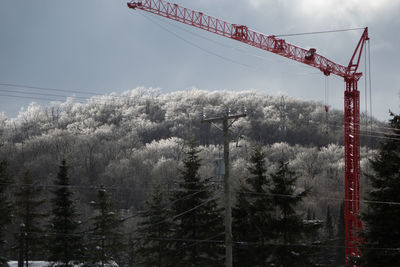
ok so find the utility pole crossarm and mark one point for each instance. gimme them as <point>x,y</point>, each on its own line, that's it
<point>242,34</point>
<point>228,117</point>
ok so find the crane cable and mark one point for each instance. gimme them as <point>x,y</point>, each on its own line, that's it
<point>326,104</point>
<point>370,84</point>
<point>319,32</point>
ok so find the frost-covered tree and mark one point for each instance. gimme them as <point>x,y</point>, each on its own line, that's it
<point>65,242</point>
<point>382,220</point>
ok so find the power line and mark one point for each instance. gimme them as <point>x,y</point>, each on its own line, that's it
<point>42,94</point>
<point>91,95</point>
<point>169,203</point>
<point>199,191</point>
<point>47,88</point>
<point>31,97</point>
<point>212,240</point>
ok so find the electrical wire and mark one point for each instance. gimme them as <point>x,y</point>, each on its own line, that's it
<point>91,96</point>
<point>30,97</point>
<point>169,203</point>
<point>211,240</point>
<point>366,201</point>
<point>112,188</point>
<point>47,88</point>
<point>41,94</point>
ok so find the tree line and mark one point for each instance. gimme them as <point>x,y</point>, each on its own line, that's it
<point>136,140</point>
<point>179,227</point>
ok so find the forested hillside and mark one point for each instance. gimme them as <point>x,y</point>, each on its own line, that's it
<point>130,143</point>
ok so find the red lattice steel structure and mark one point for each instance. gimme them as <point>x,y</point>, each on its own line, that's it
<point>279,46</point>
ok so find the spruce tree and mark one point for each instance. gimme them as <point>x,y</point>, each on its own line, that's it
<point>154,231</point>
<point>340,250</point>
<point>383,219</point>
<point>5,209</point>
<point>29,217</point>
<point>288,224</point>
<point>328,254</point>
<point>105,239</point>
<point>329,224</point>
<point>252,215</point>
<point>243,237</point>
<point>65,242</point>
<point>196,216</point>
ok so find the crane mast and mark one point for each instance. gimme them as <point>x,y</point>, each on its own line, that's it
<point>279,46</point>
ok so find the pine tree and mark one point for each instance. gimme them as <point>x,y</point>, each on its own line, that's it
<point>153,231</point>
<point>29,215</point>
<point>243,250</point>
<point>252,215</point>
<point>130,252</point>
<point>5,209</point>
<point>289,226</point>
<point>329,224</point>
<point>340,250</point>
<point>65,243</point>
<point>383,220</point>
<point>197,217</point>
<point>105,238</point>
<point>328,254</point>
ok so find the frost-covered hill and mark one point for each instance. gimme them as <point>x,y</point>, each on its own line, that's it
<point>132,141</point>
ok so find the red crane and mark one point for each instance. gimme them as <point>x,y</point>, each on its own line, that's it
<point>279,46</point>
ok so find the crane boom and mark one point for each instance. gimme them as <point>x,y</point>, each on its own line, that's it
<point>240,33</point>
<point>278,46</point>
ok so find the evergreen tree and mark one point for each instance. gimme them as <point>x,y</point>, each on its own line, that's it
<point>252,215</point>
<point>383,220</point>
<point>65,243</point>
<point>29,215</point>
<point>288,225</point>
<point>328,255</point>
<point>105,238</point>
<point>196,216</point>
<point>130,252</point>
<point>153,231</point>
<point>5,209</point>
<point>329,224</point>
<point>340,250</point>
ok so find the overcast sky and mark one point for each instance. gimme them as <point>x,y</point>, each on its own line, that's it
<point>102,46</point>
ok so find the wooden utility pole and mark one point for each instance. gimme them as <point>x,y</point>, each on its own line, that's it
<point>227,184</point>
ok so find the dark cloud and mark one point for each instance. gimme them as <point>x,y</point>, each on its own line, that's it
<point>103,46</point>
